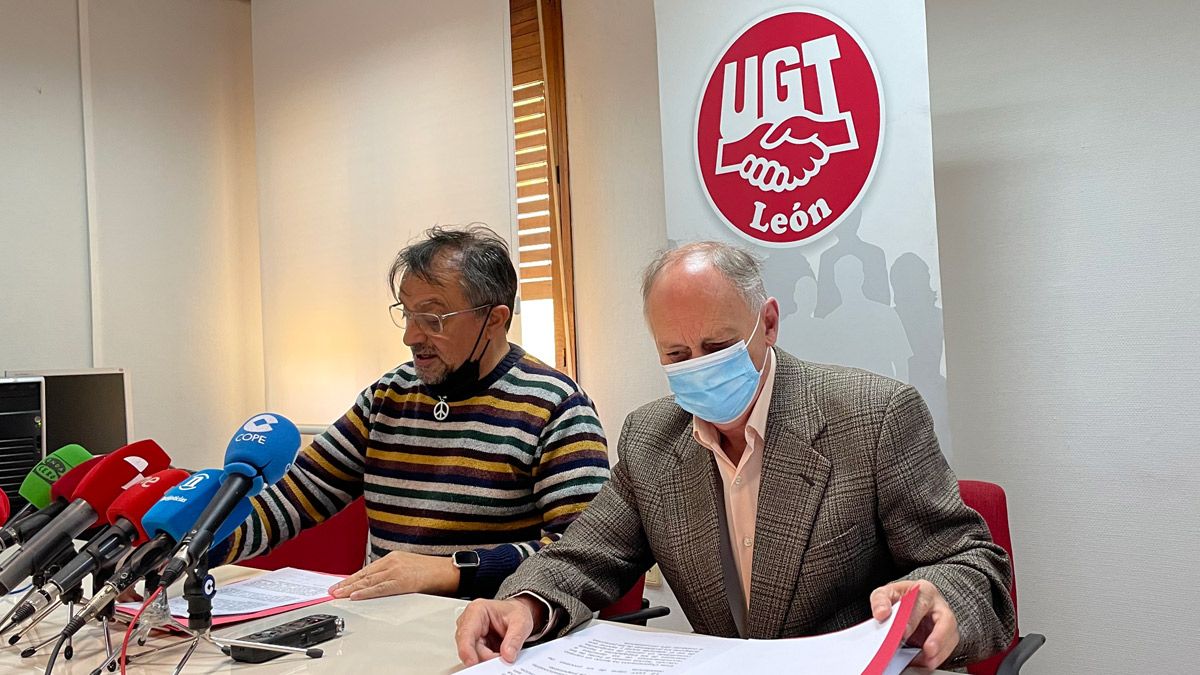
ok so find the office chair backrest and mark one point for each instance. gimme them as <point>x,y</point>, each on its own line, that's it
<point>991,503</point>
<point>630,602</point>
<point>336,546</point>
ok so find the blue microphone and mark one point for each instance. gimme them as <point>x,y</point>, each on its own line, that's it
<point>258,455</point>
<point>180,508</point>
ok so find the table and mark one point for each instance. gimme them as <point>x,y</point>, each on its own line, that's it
<point>400,634</point>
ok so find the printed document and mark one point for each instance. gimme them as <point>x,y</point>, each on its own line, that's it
<point>869,648</point>
<point>281,588</point>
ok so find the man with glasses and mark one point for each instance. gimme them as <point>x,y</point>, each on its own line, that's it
<point>470,457</point>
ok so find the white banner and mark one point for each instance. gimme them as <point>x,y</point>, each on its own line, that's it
<point>803,133</point>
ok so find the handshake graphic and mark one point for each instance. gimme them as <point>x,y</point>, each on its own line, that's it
<point>787,154</point>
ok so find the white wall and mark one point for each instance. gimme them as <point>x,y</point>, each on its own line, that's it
<point>175,223</point>
<point>375,120</point>
<point>45,305</point>
<point>1066,174</point>
<point>173,287</point>
<point>616,198</point>
<point>617,209</point>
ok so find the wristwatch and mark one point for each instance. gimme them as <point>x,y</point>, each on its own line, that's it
<point>467,563</point>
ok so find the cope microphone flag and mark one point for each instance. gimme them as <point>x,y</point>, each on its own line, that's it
<point>259,453</point>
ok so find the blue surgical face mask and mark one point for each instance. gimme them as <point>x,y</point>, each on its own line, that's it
<point>716,387</point>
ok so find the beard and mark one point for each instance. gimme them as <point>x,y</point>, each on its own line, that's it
<point>433,372</point>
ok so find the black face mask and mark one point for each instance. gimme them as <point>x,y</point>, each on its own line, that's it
<point>464,379</point>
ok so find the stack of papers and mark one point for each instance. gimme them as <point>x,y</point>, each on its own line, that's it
<point>267,595</point>
<point>870,648</point>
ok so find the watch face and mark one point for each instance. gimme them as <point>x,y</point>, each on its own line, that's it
<point>466,559</point>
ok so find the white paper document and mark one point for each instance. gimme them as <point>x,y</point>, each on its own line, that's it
<point>869,648</point>
<point>287,586</point>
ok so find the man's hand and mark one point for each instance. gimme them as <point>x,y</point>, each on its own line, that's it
<point>400,572</point>
<point>490,628</point>
<point>932,625</point>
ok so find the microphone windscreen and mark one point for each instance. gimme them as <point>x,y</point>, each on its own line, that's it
<point>36,486</point>
<point>119,470</point>
<point>64,487</point>
<point>264,447</point>
<point>181,506</point>
<point>4,507</point>
<point>133,503</point>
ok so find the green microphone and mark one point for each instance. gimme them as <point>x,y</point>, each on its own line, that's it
<point>36,486</point>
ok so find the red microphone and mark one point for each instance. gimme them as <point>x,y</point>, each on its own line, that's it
<point>112,475</point>
<point>64,487</point>
<point>4,507</point>
<point>124,532</point>
<point>136,501</point>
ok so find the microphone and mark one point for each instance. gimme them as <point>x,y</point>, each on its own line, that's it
<point>259,453</point>
<point>124,532</point>
<point>35,489</point>
<point>36,486</point>
<point>114,473</point>
<point>21,529</point>
<point>167,522</point>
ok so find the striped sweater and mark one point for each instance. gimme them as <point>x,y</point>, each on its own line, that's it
<point>504,473</point>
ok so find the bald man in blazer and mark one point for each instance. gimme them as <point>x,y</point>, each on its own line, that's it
<point>850,502</point>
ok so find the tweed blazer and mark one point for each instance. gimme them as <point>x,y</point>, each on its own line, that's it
<point>855,493</point>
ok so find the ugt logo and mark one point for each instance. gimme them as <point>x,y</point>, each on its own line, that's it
<point>789,127</point>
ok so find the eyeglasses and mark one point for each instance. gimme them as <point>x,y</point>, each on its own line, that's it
<point>426,321</point>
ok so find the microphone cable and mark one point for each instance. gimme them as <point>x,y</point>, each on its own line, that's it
<point>133,623</point>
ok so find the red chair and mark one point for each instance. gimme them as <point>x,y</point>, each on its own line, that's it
<point>336,546</point>
<point>991,503</point>
<point>632,607</point>
<point>339,546</point>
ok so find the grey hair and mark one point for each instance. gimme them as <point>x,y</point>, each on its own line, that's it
<point>486,272</point>
<point>742,268</point>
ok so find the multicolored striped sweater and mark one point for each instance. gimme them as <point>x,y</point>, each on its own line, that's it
<point>504,473</point>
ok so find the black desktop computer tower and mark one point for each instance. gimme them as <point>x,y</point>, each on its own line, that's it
<point>22,434</point>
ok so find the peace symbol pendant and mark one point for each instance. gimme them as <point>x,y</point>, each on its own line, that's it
<point>441,411</point>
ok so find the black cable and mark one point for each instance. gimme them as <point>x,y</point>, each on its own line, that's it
<point>54,654</point>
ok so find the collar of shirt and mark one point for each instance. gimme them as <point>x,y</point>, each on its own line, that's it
<point>706,433</point>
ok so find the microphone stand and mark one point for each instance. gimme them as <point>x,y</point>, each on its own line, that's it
<point>198,589</point>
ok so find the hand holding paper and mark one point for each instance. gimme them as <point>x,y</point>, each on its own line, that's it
<point>932,625</point>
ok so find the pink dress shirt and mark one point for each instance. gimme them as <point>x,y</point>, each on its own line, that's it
<point>741,481</point>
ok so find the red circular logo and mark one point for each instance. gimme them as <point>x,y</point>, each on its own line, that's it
<point>789,127</point>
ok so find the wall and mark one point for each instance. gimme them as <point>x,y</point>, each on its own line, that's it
<point>45,305</point>
<point>169,289</point>
<point>1066,182</point>
<point>617,209</point>
<point>375,120</point>
<point>174,228</point>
